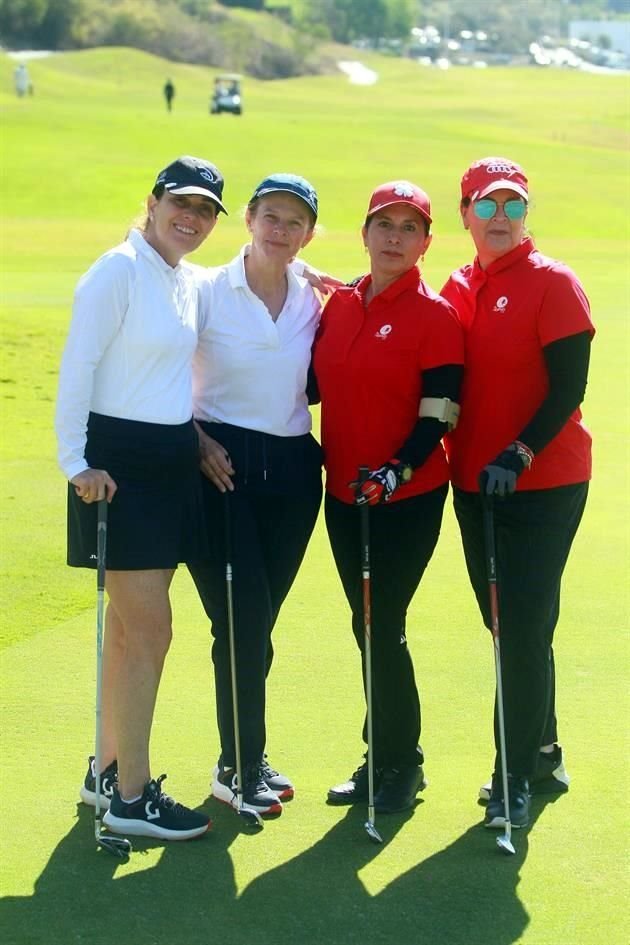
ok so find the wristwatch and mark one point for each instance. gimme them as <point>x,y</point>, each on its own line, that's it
<point>405,472</point>
<point>523,452</point>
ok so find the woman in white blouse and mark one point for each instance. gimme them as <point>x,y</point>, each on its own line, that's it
<point>257,324</point>
<point>125,433</point>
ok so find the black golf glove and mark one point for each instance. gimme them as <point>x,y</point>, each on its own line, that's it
<point>499,477</point>
<point>380,484</point>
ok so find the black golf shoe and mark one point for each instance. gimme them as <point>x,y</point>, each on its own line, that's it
<point>155,814</point>
<point>518,802</point>
<point>398,788</point>
<point>109,780</point>
<point>355,789</point>
<point>550,776</point>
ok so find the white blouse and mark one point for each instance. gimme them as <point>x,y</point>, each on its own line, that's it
<point>129,348</point>
<point>249,370</point>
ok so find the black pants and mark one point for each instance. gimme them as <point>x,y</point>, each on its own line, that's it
<point>403,536</point>
<point>534,533</point>
<point>272,519</point>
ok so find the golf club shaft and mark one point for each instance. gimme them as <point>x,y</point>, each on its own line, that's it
<point>367,630</point>
<point>491,566</point>
<point>101,552</point>
<point>232,644</point>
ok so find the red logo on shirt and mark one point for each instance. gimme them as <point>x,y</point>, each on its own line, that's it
<point>383,332</point>
<point>501,304</point>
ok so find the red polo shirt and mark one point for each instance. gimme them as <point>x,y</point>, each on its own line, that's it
<point>368,361</point>
<point>509,312</point>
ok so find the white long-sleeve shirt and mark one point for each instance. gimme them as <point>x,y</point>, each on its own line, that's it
<point>129,348</point>
<point>249,370</point>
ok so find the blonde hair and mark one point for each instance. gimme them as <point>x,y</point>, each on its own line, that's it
<point>140,221</point>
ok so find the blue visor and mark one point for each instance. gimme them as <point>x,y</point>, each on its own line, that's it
<point>290,184</point>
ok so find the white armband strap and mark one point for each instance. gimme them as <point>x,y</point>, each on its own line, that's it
<point>440,408</point>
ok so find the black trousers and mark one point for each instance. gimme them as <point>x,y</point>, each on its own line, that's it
<point>272,519</point>
<point>534,533</point>
<point>403,536</point>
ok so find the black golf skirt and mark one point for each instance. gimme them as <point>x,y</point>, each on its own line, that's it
<point>155,520</point>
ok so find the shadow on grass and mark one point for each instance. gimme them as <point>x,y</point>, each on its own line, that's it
<point>464,895</point>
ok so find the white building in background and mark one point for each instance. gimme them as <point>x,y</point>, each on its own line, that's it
<point>617,31</point>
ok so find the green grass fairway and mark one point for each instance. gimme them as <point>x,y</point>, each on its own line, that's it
<point>78,158</point>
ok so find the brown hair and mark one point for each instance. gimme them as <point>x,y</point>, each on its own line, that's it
<point>427,225</point>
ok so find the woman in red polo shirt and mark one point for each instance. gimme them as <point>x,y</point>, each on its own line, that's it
<point>520,438</point>
<point>388,363</point>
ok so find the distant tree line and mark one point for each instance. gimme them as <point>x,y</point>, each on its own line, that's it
<point>217,34</point>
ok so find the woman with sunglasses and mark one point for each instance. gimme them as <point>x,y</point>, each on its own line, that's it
<point>521,444</point>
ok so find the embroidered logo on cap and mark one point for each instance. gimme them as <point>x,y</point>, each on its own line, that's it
<point>403,190</point>
<point>506,169</point>
<point>501,304</point>
<point>207,175</point>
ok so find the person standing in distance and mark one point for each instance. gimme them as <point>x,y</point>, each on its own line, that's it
<point>125,433</point>
<point>388,363</point>
<point>522,442</point>
<point>169,94</point>
<point>257,324</point>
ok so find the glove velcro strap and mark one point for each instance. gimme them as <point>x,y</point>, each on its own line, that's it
<point>440,408</point>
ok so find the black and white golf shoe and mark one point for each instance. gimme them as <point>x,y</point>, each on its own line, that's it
<point>257,796</point>
<point>550,776</point>
<point>518,801</point>
<point>109,780</point>
<point>155,814</point>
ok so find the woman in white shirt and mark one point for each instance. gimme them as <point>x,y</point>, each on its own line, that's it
<point>257,324</point>
<point>125,433</point>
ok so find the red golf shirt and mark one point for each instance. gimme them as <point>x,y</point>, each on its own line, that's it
<point>509,312</point>
<point>368,361</point>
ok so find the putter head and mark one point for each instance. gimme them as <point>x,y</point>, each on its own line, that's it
<point>251,818</point>
<point>118,846</point>
<point>372,832</point>
<point>505,845</point>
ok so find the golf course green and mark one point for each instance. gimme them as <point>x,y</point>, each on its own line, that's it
<point>78,158</point>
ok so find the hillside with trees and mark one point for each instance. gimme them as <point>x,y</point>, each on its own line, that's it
<point>281,38</point>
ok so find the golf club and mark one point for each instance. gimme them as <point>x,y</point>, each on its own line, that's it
<point>370,825</point>
<point>119,846</point>
<point>504,842</point>
<point>253,819</point>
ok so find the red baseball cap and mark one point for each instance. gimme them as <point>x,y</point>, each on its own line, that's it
<point>494,173</point>
<point>400,191</point>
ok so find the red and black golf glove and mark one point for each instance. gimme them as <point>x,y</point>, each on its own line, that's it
<point>380,484</point>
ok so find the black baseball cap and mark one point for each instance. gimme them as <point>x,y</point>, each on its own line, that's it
<point>191,175</point>
<point>290,184</point>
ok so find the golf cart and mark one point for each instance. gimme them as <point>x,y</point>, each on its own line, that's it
<point>227,95</point>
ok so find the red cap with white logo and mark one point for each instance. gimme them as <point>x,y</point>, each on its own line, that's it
<point>400,191</point>
<point>494,173</point>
